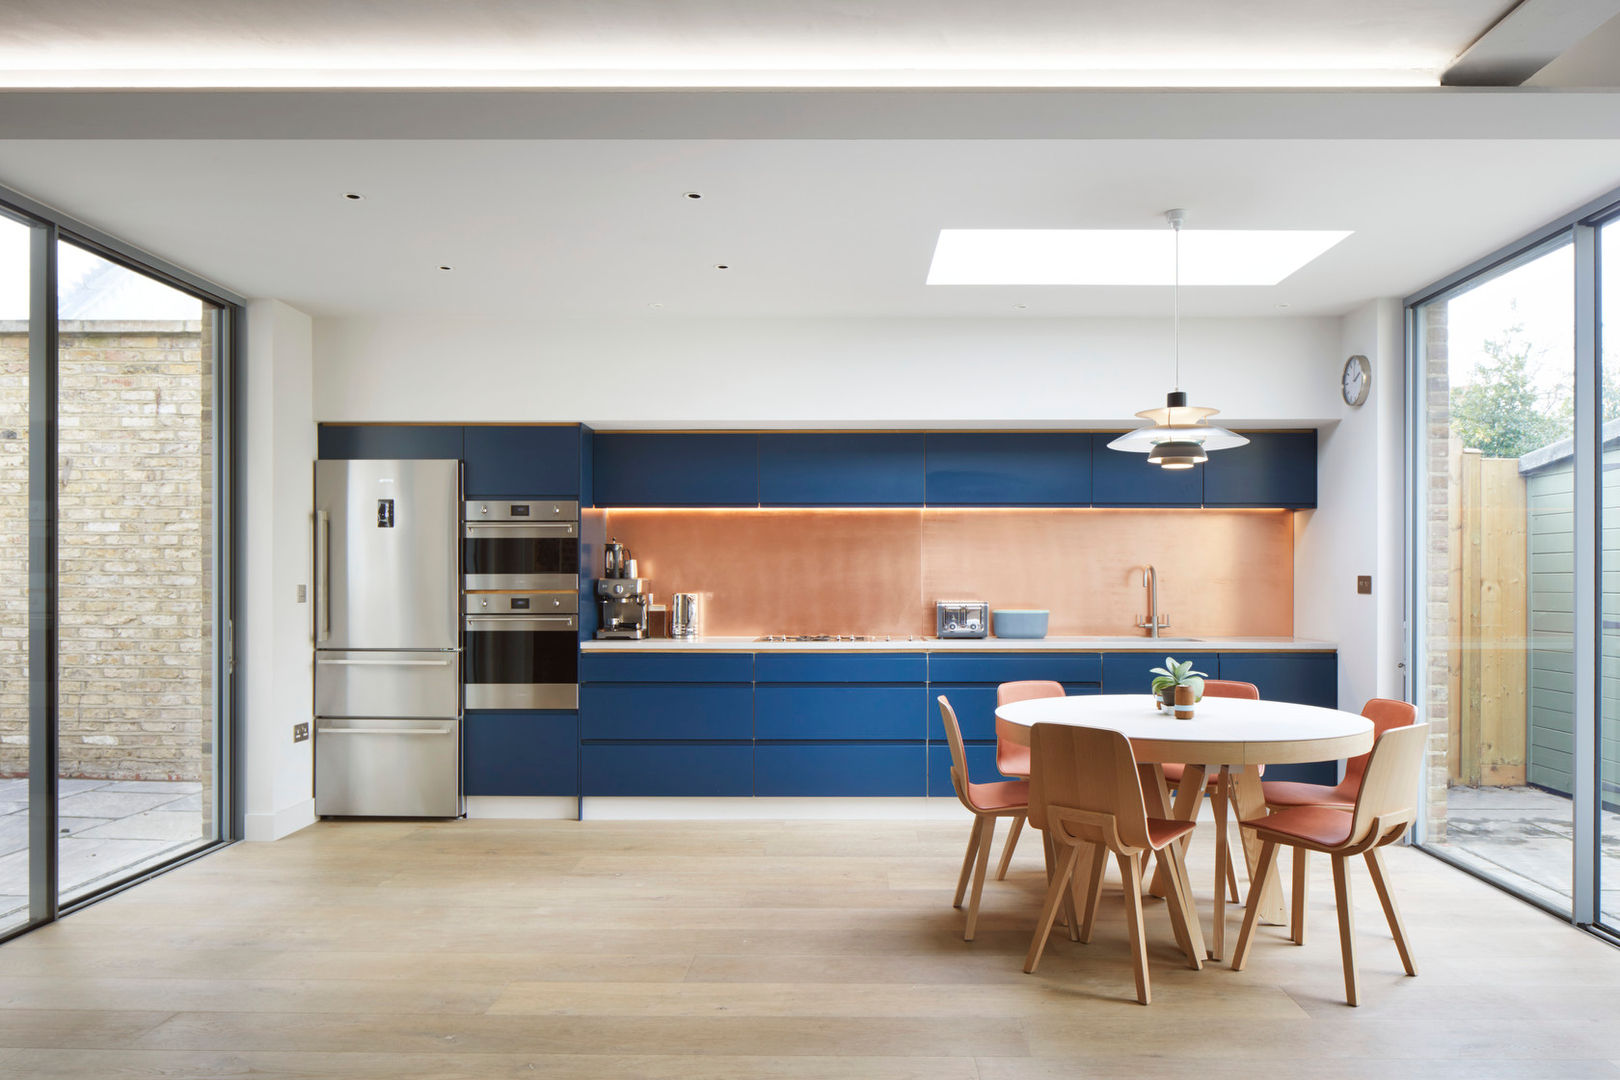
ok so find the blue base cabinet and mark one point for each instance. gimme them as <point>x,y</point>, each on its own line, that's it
<point>1302,678</point>
<point>840,768</point>
<point>674,768</point>
<point>521,753</point>
<point>981,759</point>
<point>1132,673</point>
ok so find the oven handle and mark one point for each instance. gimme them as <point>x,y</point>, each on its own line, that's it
<point>521,530</point>
<point>522,622</point>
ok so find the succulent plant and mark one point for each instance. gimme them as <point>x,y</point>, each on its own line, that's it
<point>1178,674</point>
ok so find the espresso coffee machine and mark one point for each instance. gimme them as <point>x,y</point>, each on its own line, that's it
<point>622,595</point>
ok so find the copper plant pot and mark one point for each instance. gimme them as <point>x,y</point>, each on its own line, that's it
<point>1184,703</point>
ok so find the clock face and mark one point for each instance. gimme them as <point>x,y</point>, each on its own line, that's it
<point>1357,379</point>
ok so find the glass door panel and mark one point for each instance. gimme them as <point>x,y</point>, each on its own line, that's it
<point>1496,549</point>
<point>1608,868</point>
<point>14,715</point>
<point>137,727</point>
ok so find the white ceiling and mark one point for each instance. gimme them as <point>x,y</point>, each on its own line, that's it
<point>817,228</point>
<point>736,42</point>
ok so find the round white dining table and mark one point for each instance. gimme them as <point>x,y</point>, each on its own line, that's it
<point>1231,737</point>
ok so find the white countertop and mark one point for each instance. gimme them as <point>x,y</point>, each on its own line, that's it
<point>1165,645</point>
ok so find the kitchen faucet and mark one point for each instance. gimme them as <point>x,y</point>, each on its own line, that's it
<point>1154,621</point>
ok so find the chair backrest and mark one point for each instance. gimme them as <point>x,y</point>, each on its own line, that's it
<point>1090,769</point>
<point>1385,714</point>
<point>1231,688</point>
<point>1389,787</point>
<point>1027,690</point>
<point>953,735</point>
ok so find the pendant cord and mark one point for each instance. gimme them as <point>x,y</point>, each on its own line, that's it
<point>1176,303</point>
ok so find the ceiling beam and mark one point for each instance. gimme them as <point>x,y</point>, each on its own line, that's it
<point>1527,39</point>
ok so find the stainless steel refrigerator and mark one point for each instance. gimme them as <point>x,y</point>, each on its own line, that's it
<point>387,638</point>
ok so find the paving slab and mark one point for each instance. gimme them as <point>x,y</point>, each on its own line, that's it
<point>110,804</point>
<point>152,825</point>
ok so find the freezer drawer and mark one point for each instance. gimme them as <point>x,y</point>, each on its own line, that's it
<point>388,767</point>
<point>378,683</point>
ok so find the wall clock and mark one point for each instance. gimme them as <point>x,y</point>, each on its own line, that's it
<point>1356,380</point>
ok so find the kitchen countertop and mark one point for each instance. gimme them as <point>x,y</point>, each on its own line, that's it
<point>1169,645</point>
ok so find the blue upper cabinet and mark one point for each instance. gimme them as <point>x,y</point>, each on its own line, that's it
<point>1125,479</point>
<point>356,441</point>
<point>1008,470</point>
<point>840,470</point>
<point>1277,468</point>
<point>675,470</point>
<point>522,462</point>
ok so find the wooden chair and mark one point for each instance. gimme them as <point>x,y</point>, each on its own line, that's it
<point>1282,794</point>
<point>1173,771</point>
<point>1007,798</point>
<point>1385,807</point>
<point>1012,758</point>
<point>1086,793</point>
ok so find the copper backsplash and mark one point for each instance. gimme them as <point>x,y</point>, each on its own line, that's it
<point>1221,572</point>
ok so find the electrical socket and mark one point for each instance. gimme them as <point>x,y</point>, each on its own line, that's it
<point>1364,584</point>
<point>300,732</point>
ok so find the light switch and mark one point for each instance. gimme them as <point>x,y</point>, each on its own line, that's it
<point>1364,584</point>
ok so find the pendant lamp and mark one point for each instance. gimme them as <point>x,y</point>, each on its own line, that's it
<point>1177,436</point>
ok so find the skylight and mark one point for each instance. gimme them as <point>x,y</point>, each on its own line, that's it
<point>1123,256</point>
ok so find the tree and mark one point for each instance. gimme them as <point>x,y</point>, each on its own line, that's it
<point>1503,412</point>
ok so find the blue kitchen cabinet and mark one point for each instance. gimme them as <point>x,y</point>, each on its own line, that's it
<point>840,470</point>
<point>975,707</point>
<point>835,768</point>
<point>669,769</point>
<point>969,681</point>
<point>1132,673</point>
<point>1302,678</point>
<point>675,470</point>
<point>855,713</point>
<point>1276,468</point>
<point>1008,470</point>
<point>665,711</point>
<point>780,667</point>
<point>638,667</point>
<point>373,441</point>
<point>1126,479</point>
<point>981,760</point>
<point>522,462</point>
<point>521,753</point>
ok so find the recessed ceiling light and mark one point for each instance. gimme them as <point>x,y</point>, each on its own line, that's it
<point>693,194</point>
<point>353,195</point>
<point>655,306</point>
<point>446,268</point>
<point>722,266</point>
<point>1020,307</point>
<point>1123,256</point>
<point>1281,306</point>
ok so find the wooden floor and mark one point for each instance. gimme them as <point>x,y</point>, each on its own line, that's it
<point>743,950</point>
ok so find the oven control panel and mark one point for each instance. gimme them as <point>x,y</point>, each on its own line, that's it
<point>522,603</point>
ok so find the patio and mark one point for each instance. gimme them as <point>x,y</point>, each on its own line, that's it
<point>108,828</point>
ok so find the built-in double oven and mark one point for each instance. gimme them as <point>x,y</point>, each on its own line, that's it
<point>520,565</point>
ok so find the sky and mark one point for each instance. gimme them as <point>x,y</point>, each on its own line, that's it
<point>118,293</point>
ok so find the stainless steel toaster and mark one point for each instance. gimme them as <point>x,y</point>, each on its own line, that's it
<point>961,618</point>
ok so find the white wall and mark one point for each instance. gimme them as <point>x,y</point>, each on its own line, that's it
<point>1358,525</point>
<point>656,372</point>
<point>278,443</point>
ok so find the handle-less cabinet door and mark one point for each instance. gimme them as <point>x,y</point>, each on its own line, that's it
<point>369,683</point>
<point>384,767</point>
<point>387,538</point>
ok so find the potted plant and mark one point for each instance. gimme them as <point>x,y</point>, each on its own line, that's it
<point>1173,676</point>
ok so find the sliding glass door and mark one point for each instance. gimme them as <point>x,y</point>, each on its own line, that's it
<point>1608,751</point>
<point>115,673</point>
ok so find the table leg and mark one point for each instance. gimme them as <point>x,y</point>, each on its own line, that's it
<point>1249,802</point>
<point>1156,797</point>
<point>1217,937</point>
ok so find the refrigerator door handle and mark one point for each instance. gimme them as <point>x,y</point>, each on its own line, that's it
<point>387,731</point>
<point>323,575</point>
<point>386,663</point>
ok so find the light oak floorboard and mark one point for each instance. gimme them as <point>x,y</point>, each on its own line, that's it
<point>732,950</point>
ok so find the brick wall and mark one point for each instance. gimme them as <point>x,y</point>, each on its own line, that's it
<point>136,552</point>
<point>1438,655</point>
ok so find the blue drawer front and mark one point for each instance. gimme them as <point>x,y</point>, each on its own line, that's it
<point>522,462</point>
<point>975,707</point>
<point>666,769</point>
<point>1132,673</point>
<point>840,712</point>
<point>840,769</point>
<point>1124,479</point>
<point>840,470</point>
<point>595,667</point>
<point>675,470</point>
<point>668,711</point>
<point>844,668</point>
<point>981,760</point>
<point>1303,678</point>
<point>1276,468</point>
<point>1008,470</point>
<point>1013,667</point>
<point>357,441</point>
<point>521,753</point>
